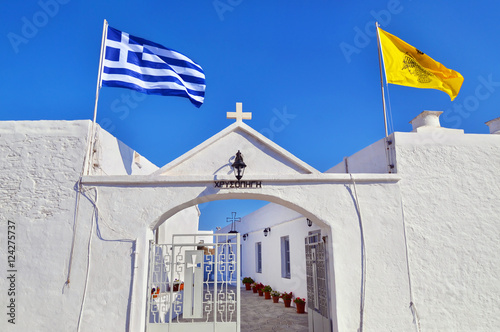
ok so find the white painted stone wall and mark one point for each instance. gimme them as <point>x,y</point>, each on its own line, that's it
<point>283,222</point>
<point>372,159</point>
<point>448,195</point>
<point>42,162</point>
<point>327,199</point>
<point>451,195</point>
<point>450,190</point>
<point>113,157</point>
<point>183,222</point>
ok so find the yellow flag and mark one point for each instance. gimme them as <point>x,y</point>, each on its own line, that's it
<point>406,65</point>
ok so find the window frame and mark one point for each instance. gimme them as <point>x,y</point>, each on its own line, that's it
<point>286,271</point>
<point>258,257</point>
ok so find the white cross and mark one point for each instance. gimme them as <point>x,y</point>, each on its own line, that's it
<point>194,264</point>
<point>239,115</point>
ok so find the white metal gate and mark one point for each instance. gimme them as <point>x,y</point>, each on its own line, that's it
<point>194,285</point>
<point>317,284</point>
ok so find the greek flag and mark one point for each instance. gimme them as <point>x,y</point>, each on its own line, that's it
<point>139,64</point>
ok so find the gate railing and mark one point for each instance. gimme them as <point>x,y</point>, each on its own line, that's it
<point>194,283</point>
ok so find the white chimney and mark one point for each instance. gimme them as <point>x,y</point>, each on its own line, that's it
<point>494,126</point>
<point>429,119</point>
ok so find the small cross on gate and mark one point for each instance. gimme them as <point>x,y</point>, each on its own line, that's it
<point>239,115</point>
<point>232,220</point>
<point>194,263</point>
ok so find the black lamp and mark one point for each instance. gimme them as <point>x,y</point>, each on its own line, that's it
<point>239,166</point>
<point>309,222</point>
<point>245,237</point>
<point>267,230</point>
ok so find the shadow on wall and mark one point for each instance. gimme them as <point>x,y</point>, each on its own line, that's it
<point>127,156</point>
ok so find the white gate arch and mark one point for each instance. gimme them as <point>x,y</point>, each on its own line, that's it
<point>325,198</point>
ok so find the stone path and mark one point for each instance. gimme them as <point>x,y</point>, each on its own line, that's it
<point>262,315</point>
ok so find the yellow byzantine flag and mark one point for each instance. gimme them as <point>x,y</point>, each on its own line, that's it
<point>406,65</point>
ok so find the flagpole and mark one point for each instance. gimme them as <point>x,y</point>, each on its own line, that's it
<point>98,88</point>
<point>387,142</point>
<point>381,78</point>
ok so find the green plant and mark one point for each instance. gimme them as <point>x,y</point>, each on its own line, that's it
<point>267,288</point>
<point>248,280</point>
<point>299,300</point>
<point>286,296</point>
<point>275,293</point>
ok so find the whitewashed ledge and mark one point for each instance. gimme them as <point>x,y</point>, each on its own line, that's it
<point>147,180</point>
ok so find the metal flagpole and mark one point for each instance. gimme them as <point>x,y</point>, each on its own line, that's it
<point>390,166</point>
<point>381,77</point>
<point>92,133</point>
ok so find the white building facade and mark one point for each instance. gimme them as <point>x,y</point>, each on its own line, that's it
<point>412,250</point>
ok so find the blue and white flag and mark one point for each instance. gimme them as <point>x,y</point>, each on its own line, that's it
<point>139,64</point>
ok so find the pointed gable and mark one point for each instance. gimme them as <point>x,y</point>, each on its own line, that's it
<point>215,156</point>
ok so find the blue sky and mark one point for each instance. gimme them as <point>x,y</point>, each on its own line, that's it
<point>307,70</point>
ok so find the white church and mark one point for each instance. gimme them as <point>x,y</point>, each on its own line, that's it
<point>401,236</point>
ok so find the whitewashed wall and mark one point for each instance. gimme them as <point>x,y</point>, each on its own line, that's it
<point>450,191</point>
<point>183,222</point>
<point>448,196</point>
<point>371,159</point>
<point>41,163</point>
<point>327,199</point>
<point>283,222</point>
<point>451,195</point>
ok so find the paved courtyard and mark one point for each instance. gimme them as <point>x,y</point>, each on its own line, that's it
<point>262,315</point>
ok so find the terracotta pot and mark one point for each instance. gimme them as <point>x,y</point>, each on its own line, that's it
<point>267,295</point>
<point>248,286</point>
<point>287,302</point>
<point>276,299</point>
<point>261,293</point>
<point>254,289</point>
<point>301,307</point>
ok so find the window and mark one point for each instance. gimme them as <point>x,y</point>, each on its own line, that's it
<point>285,257</point>
<point>314,237</point>
<point>258,257</point>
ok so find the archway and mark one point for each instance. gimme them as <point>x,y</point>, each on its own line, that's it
<point>204,174</point>
<point>290,227</point>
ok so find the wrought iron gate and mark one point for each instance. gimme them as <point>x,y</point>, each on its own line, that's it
<point>194,285</point>
<point>317,284</point>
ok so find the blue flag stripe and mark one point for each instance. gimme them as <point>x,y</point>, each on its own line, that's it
<point>161,92</point>
<point>148,73</point>
<point>151,78</point>
<point>154,78</point>
<point>149,67</point>
<point>134,57</point>
<point>175,62</point>
<point>155,85</point>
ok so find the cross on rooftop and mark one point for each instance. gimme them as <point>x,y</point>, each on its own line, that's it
<point>232,220</point>
<point>239,115</point>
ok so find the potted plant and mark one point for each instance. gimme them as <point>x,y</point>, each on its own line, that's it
<point>248,282</point>
<point>287,298</point>
<point>260,289</point>
<point>267,292</point>
<point>155,291</point>
<point>300,304</point>
<point>254,287</point>
<point>177,284</point>
<point>276,296</point>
